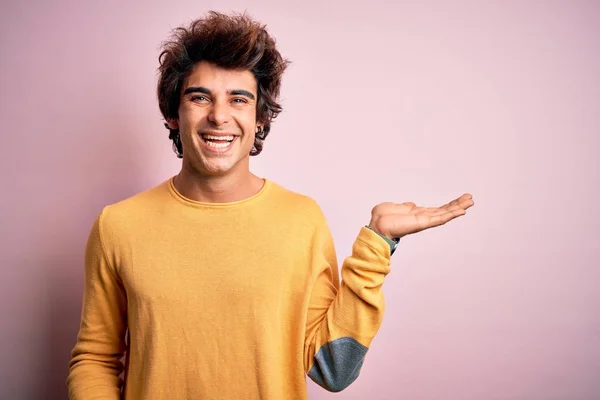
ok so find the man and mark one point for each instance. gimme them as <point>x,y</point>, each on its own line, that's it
<point>218,284</point>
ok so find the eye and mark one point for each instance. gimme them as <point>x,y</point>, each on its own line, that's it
<point>239,100</point>
<point>198,98</point>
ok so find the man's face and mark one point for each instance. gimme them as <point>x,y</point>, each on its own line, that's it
<point>217,119</point>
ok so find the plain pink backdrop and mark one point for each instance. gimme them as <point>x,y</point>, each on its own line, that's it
<point>383,102</point>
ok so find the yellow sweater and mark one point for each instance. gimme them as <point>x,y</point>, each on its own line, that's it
<point>223,301</point>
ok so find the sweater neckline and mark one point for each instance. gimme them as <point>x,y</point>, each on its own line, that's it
<point>202,204</point>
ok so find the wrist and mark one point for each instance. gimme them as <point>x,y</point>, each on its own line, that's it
<point>392,242</point>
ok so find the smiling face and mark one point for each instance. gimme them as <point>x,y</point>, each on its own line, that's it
<point>217,119</point>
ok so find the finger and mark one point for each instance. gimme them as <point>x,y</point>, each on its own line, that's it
<point>452,203</point>
<point>414,209</point>
<point>432,211</point>
<point>441,219</point>
<point>465,201</point>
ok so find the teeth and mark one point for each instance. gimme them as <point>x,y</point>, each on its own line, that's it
<point>218,145</point>
<point>210,137</point>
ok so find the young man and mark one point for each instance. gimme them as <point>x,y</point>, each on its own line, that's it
<point>219,284</point>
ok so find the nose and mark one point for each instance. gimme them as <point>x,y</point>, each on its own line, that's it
<point>219,113</point>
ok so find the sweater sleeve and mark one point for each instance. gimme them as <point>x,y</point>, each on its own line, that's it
<point>343,318</point>
<point>95,365</point>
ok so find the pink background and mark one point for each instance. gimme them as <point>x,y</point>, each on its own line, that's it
<point>384,102</point>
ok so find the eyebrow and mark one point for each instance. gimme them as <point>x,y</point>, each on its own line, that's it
<point>234,92</point>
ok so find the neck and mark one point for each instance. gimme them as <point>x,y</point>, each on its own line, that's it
<point>217,188</point>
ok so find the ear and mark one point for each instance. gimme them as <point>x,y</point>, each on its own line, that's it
<point>173,123</point>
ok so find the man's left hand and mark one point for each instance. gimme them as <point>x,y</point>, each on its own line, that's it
<point>396,220</point>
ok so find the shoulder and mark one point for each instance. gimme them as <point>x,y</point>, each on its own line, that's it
<point>119,217</point>
<point>296,203</point>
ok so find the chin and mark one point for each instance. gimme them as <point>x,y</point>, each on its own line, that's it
<point>212,167</point>
<point>216,166</point>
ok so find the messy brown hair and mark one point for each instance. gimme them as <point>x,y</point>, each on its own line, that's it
<point>231,42</point>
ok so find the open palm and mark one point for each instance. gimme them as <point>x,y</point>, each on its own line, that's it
<point>396,220</point>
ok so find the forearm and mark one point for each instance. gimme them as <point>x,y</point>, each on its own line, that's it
<point>95,365</point>
<point>339,339</point>
<point>94,376</point>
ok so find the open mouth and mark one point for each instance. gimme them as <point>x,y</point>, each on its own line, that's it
<point>218,142</point>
